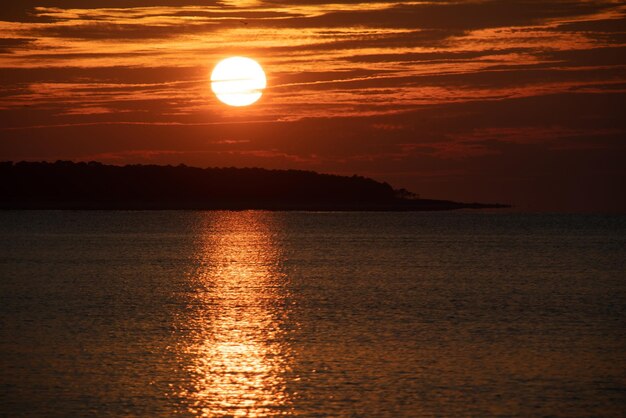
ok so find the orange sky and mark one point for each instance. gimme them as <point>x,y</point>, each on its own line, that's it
<point>514,101</point>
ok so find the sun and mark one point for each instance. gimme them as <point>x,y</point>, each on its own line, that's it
<point>238,81</point>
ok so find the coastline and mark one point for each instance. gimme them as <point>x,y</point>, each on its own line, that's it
<point>403,206</point>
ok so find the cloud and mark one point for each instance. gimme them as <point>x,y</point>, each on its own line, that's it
<point>451,15</point>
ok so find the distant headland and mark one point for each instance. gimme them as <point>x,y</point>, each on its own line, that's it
<point>92,185</point>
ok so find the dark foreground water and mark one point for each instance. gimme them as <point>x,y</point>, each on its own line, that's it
<point>313,314</point>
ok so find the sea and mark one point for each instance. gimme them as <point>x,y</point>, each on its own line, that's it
<point>313,314</point>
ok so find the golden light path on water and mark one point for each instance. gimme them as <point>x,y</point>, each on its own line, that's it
<point>238,358</point>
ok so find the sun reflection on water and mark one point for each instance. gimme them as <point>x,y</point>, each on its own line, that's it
<point>237,355</point>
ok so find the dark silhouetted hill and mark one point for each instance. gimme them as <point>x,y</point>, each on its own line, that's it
<point>69,185</point>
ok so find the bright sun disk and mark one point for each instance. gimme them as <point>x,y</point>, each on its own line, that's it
<point>238,81</point>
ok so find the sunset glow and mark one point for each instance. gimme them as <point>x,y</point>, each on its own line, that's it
<point>315,208</point>
<point>442,98</point>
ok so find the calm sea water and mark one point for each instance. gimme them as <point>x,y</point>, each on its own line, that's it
<point>312,314</point>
